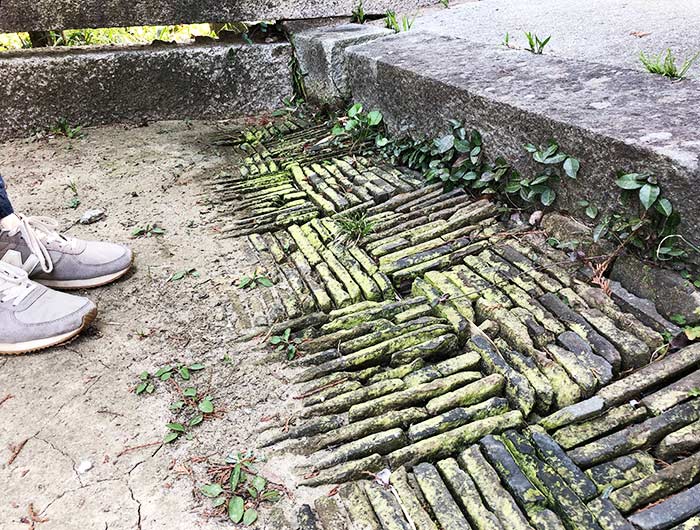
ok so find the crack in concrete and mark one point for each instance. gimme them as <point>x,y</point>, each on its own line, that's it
<point>66,455</point>
<point>138,503</point>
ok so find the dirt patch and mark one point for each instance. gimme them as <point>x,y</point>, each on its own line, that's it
<point>75,406</point>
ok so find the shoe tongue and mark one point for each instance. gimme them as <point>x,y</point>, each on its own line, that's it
<point>10,222</point>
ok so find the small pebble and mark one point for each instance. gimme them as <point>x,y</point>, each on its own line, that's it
<point>92,216</point>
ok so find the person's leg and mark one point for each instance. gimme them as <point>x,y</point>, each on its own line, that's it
<point>5,204</point>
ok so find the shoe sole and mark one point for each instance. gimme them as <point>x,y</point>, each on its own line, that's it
<point>43,344</point>
<point>89,283</point>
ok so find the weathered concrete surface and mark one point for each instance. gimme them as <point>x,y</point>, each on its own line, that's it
<point>28,15</point>
<point>138,84</point>
<point>611,118</point>
<point>597,31</point>
<point>322,58</point>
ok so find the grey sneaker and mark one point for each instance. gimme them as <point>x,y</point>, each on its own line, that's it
<point>33,317</point>
<point>59,261</point>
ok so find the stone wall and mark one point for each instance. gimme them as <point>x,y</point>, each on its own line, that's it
<point>137,84</point>
<point>37,15</point>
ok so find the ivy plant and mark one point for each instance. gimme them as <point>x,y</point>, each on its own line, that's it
<point>653,222</point>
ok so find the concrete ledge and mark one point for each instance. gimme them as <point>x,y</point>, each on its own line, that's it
<point>322,58</point>
<point>609,117</point>
<point>99,86</point>
<point>37,15</point>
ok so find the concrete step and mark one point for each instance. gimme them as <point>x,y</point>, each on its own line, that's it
<point>41,15</point>
<point>610,117</point>
<point>91,86</point>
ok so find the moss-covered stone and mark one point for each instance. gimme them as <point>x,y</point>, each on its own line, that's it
<point>382,442</point>
<point>410,502</point>
<point>623,470</point>
<point>449,442</point>
<point>356,430</point>
<point>636,436</point>
<point>524,492</point>
<point>446,510</point>
<point>411,396</point>
<point>470,394</point>
<point>616,418</point>
<point>345,472</point>
<point>661,484</point>
<point>456,418</point>
<point>358,506</point>
<point>386,508</point>
<point>489,485</point>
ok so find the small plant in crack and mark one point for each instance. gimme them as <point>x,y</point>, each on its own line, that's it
<point>536,45</point>
<point>147,230</point>
<point>665,64</point>
<point>360,127</point>
<point>391,21</point>
<point>353,227</point>
<point>358,14</point>
<point>286,344</point>
<point>63,128</point>
<point>74,200</point>
<point>237,489</point>
<point>184,273</point>
<point>192,407</point>
<point>254,281</point>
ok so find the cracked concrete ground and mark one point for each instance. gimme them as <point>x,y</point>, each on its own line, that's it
<point>81,465</point>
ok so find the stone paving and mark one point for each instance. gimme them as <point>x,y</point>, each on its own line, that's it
<point>455,357</point>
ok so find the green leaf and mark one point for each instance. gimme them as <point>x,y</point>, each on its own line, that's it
<point>259,483</point>
<point>176,427</point>
<point>150,388</point>
<point>664,207</point>
<point>265,282</point>
<point>530,148</point>
<point>462,146</point>
<point>190,391</point>
<point>211,490</point>
<point>600,231</point>
<point>219,501</point>
<point>235,477</point>
<point>177,405</point>
<point>548,197</point>
<point>592,212</point>
<point>163,370</point>
<point>144,376</point>
<point>171,437</point>
<point>374,118</point>
<point>250,517</point>
<point>184,373</point>
<point>196,366</point>
<point>355,110</point>
<point>275,339</point>
<point>179,275</point>
<point>571,167</point>
<point>141,387</point>
<point>206,406</point>
<point>693,333</point>
<point>196,420</point>
<point>382,141</point>
<point>235,509</point>
<point>629,181</point>
<point>271,496</point>
<point>444,144</point>
<point>648,195</point>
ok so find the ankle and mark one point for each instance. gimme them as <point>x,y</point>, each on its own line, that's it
<point>10,222</point>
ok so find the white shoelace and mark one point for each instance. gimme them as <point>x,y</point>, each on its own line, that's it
<point>39,231</point>
<point>15,285</point>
